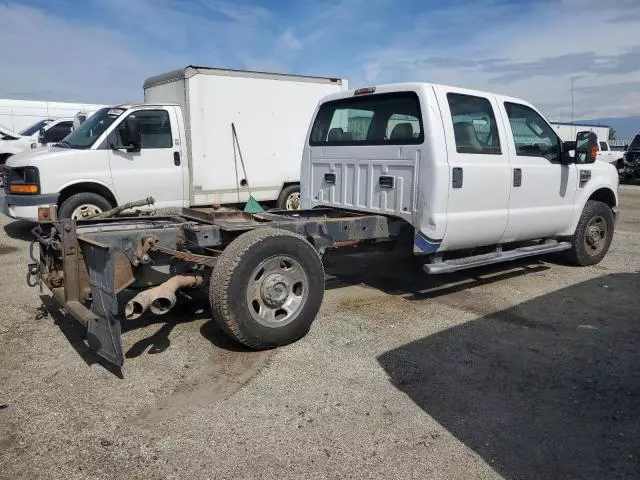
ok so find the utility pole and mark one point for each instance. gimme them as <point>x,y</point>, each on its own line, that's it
<point>573,128</point>
<point>572,80</point>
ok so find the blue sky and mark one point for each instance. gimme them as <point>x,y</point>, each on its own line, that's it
<point>101,51</point>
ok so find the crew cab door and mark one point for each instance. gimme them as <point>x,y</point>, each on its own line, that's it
<point>479,177</point>
<point>157,168</point>
<point>542,188</point>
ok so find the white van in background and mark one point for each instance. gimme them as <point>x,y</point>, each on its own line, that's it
<point>178,146</point>
<point>42,133</point>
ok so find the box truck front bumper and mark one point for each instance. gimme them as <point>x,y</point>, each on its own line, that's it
<point>25,207</point>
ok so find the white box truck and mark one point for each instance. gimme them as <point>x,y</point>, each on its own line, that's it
<point>178,146</point>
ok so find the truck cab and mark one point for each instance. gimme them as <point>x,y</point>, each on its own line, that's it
<point>631,160</point>
<point>465,168</point>
<point>102,164</point>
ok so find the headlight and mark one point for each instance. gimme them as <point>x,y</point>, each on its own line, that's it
<point>23,181</point>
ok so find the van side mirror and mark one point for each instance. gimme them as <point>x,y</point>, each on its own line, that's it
<point>42,136</point>
<point>131,136</point>
<point>586,147</point>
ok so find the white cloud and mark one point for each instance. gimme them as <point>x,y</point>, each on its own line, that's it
<point>49,58</point>
<point>290,41</point>
<point>525,49</point>
<point>530,53</point>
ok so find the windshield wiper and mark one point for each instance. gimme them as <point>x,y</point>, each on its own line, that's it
<point>63,144</point>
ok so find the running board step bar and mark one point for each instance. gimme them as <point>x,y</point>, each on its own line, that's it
<point>454,265</point>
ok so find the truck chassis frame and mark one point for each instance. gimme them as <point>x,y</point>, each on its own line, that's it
<point>87,264</point>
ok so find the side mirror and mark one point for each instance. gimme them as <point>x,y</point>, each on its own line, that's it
<point>626,147</point>
<point>586,147</point>
<point>42,136</point>
<point>131,136</point>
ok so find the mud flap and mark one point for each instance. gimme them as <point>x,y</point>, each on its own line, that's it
<point>103,333</point>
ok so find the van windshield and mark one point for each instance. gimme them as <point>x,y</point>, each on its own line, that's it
<point>87,133</point>
<point>35,128</point>
<point>635,144</point>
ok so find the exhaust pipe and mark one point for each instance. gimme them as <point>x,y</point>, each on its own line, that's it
<point>159,299</point>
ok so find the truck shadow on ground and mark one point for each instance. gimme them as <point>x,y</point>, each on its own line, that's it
<point>184,312</point>
<point>75,333</point>
<point>19,230</point>
<point>158,342</point>
<point>549,388</point>
<point>405,277</point>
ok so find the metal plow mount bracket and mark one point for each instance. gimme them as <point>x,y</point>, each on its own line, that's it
<point>103,332</point>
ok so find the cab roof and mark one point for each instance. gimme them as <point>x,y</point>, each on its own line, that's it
<point>127,106</point>
<point>420,86</point>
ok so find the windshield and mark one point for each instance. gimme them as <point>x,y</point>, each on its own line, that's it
<point>635,144</point>
<point>92,128</point>
<point>35,128</point>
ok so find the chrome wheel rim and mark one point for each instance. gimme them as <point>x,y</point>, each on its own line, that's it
<point>85,210</point>
<point>277,291</point>
<point>293,201</point>
<point>595,237</point>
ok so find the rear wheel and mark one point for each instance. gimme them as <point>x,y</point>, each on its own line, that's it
<point>289,198</point>
<point>266,288</point>
<point>83,205</point>
<point>593,235</point>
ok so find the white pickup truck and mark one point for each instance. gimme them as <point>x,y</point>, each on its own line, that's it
<point>609,155</point>
<point>460,177</point>
<point>178,147</point>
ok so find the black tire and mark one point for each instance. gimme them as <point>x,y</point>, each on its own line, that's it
<point>229,289</point>
<point>583,252</point>
<point>4,157</point>
<point>84,198</point>
<point>284,196</point>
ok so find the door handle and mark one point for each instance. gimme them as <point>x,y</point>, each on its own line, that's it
<point>517,177</point>
<point>386,181</point>
<point>176,158</point>
<point>457,177</point>
<point>330,178</point>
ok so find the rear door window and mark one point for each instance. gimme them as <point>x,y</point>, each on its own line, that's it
<point>604,147</point>
<point>381,119</point>
<point>474,124</point>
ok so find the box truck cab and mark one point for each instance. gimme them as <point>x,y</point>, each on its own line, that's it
<point>177,147</point>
